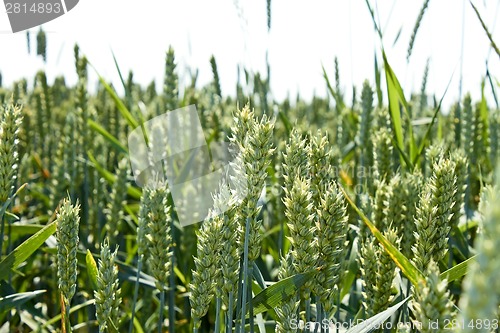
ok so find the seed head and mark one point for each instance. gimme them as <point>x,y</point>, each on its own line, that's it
<point>481,285</point>
<point>10,122</point>
<point>158,235</point>
<point>108,293</point>
<point>433,303</point>
<point>68,222</point>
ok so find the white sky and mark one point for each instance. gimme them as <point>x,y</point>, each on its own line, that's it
<point>303,36</point>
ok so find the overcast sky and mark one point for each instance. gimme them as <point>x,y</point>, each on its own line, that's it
<point>303,36</point>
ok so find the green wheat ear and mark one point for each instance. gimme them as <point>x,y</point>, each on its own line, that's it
<point>254,140</point>
<point>44,117</point>
<point>319,168</point>
<point>108,292</point>
<point>142,227</point>
<point>218,257</point>
<point>215,72</point>
<point>434,214</point>
<point>299,212</point>
<point>433,154</point>
<point>295,159</point>
<point>257,157</point>
<point>481,285</point>
<point>433,301</point>
<point>171,82</point>
<point>331,226</point>
<point>415,29</point>
<point>385,275</point>
<point>158,236</point>
<point>412,182</point>
<point>456,125</point>
<point>288,310</point>
<point>378,205</point>
<point>382,154</point>
<point>10,123</point>
<point>461,167</point>
<point>64,169</point>
<point>467,128</point>
<point>41,44</point>
<point>206,275</point>
<point>395,204</point>
<point>378,271</point>
<point>368,266</point>
<point>230,252</point>
<point>365,129</point>
<point>68,222</point>
<point>114,210</point>
<point>494,120</point>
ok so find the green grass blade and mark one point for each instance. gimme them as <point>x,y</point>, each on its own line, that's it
<point>14,300</point>
<point>483,108</point>
<point>457,271</point>
<point>110,177</point>
<point>352,271</point>
<point>286,121</point>
<point>486,30</point>
<point>57,318</point>
<point>120,73</point>
<point>6,204</point>
<point>459,241</point>
<point>397,36</point>
<point>17,229</point>
<point>258,278</point>
<point>427,134</point>
<point>372,14</point>
<point>403,155</point>
<point>406,266</point>
<point>337,98</point>
<point>118,102</point>
<point>348,151</point>
<point>25,250</point>
<point>493,91</point>
<point>280,292</point>
<point>415,29</point>
<point>378,84</point>
<point>91,269</point>
<point>375,321</point>
<point>396,97</point>
<point>131,210</point>
<point>108,136</point>
<point>126,272</point>
<point>393,103</point>
<point>136,323</point>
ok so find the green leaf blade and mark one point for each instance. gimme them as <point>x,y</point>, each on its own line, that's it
<point>25,250</point>
<point>371,323</point>
<point>280,292</point>
<point>118,102</point>
<point>457,271</point>
<point>15,300</point>
<point>108,136</point>
<point>91,269</point>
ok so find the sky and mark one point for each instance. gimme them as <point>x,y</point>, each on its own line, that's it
<point>303,37</point>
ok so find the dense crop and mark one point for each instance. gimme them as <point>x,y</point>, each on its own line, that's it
<point>370,209</point>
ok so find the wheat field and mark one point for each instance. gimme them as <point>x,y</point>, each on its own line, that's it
<point>379,213</point>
